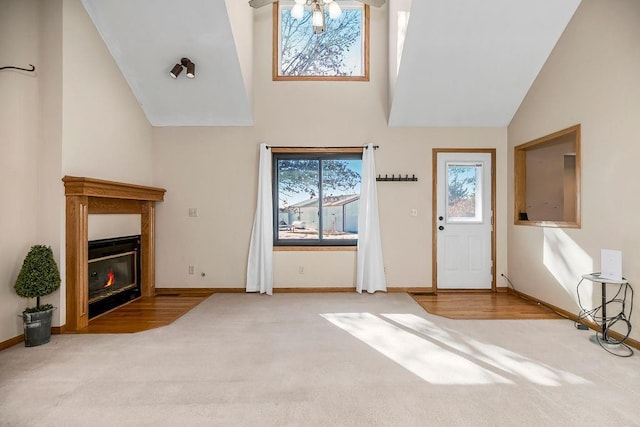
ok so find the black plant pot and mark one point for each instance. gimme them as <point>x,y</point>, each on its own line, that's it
<point>37,327</point>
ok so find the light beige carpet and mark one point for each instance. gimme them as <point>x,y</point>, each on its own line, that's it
<point>322,360</point>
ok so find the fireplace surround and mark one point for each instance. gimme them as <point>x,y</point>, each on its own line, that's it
<point>85,196</point>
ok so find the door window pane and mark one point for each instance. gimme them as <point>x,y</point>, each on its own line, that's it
<point>464,192</point>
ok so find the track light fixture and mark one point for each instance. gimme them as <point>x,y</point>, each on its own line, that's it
<point>184,63</point>
<point>175,71</point>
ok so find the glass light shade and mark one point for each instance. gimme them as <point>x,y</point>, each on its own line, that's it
<point>334,10</point>
<point>297,11</point>
<point>318,17</point>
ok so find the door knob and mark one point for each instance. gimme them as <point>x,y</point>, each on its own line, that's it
<point>441,228</point>
<point>440,218</point>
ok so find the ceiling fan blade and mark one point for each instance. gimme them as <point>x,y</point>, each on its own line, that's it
<point>260,3</point>
<point>374,3</point>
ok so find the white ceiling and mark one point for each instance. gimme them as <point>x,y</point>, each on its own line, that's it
<point>464,63</point>
<point>470,62</point>
<point>147,37</point>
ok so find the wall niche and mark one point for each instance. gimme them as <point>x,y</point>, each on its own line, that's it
<point>547,180</point>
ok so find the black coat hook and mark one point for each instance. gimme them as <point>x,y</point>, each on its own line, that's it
<point>19,68</point>
<point>399,178</point>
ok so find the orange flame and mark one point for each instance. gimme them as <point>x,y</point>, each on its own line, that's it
<point>112,278</point>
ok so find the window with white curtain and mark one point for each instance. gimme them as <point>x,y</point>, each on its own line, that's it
<point>316,198</point>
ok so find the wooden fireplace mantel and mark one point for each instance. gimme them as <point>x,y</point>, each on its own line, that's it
<point>86,196</point>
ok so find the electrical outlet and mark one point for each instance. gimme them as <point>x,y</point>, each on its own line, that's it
<point>192,269</point>
<point>301,270</point>
<point>193,212</point>
<point>413,212</point>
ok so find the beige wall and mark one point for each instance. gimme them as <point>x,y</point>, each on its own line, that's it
<point>241,20</point>
<point>19,137</point>
<point>75,116</point>
<point>591,78</point>
<point>215,171</point>
<point>50,192</point>
<point>106,134</point>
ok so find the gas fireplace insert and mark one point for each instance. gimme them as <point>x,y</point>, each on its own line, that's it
<point>114,273</point>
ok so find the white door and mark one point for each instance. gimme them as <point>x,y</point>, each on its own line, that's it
<point>464,220</point>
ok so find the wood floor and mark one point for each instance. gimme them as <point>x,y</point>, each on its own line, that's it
<point>147,312</point>
<point>168,305</point>
<point>478,305</point>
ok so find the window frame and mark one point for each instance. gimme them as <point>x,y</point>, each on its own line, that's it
<point>347,153</point>
<point>520,179</point>
<point>276,52</point>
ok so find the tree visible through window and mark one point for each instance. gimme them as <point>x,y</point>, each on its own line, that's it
<point>338,53</point>
<point>316,198</point>
<point>463,193</point>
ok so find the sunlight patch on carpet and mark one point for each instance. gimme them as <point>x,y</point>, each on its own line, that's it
<point>497,357</point>
<point>427,360</point>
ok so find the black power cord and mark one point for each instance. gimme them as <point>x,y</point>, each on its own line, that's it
<point>594,314</point>
<point>508,281</point>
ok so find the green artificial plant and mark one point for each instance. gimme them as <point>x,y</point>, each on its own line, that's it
<point>39,276</point>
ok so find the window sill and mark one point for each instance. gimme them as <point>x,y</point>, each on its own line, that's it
<point>315,248</point>
<point>552,224</point>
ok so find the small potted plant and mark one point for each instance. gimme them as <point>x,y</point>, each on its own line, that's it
<point>39,276</point>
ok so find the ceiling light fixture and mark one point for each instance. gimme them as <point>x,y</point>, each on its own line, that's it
<point>184,63</point>
<point>175,71</point>
<point>317,10</point>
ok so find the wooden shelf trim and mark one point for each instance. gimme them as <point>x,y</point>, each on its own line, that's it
<point>91,187</point>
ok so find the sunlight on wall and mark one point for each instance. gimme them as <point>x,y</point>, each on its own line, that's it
<point>403,23</point>
<point>566,260</point>
<point>439,356</point>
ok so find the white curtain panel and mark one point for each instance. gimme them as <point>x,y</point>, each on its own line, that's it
<point>260,265</point>
<point>370,268</point>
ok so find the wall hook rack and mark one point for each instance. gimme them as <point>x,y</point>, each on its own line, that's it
<point>11,67</point>
<point>398,178</point>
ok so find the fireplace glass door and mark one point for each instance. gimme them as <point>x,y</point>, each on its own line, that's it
<point>111,275</point>
<point>114,273</point>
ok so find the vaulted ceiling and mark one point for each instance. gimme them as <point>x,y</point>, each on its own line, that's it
<point>464,62</point>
